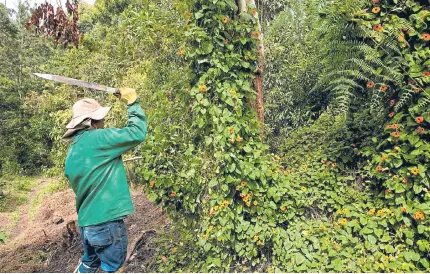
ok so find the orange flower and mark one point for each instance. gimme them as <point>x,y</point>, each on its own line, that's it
<point>417,90</point>
<point>378,27</point>
<point>173,194</point>
<point>418,216</point>
<point>403,226</point>
<point>415,171</point>
<point>370,84</point>
<point>405,181</point>
<point>376,9</point>
<point>391,115</point>
<point>383,88</point>
<point>419,119</point>
<point>246,57</point>
<point>420,130</point>
<point>426,36</point>
<point>379,168</point>
<point>151,184</point>
<point>243,183</point>
<point>404,209</point>
<point>392,102</point>
<point>237,187</point>
<point>254,12</point>
<point>375,1</point>
<point>212,211</point>
<point>225,20</point>
<point>395,134</point>
<point>426,73</point>
<point>225,42</point>
<point>255,34</point>
<point>283,208</point>
<point>231,130</point>
<point>322,161</point>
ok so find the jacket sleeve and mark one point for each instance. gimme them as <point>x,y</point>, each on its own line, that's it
<point>117,141</point>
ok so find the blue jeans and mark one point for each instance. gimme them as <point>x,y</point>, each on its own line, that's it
<point>105,246</point>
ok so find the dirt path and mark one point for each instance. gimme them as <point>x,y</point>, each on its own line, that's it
<point>45,245</point>
<point>25,210</point>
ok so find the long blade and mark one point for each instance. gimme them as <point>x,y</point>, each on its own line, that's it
<point>76,82</point>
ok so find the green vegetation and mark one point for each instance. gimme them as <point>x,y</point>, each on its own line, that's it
<point>47,189</point>
<point>16,191</point>
<point>340,182</point>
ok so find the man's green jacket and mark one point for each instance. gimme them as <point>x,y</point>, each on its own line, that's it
<point>96,172</point>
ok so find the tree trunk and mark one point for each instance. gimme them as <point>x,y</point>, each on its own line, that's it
<point>258,81</point>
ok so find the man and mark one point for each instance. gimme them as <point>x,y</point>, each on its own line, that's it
<point>96,173</point>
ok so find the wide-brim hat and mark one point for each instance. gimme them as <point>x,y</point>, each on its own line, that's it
<point>87,108</point>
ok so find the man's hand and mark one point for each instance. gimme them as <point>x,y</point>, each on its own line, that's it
<point>127,95</point>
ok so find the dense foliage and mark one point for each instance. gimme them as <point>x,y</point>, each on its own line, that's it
<point>340,182</point>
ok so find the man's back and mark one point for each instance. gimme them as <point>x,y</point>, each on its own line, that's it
<point>96,173</point>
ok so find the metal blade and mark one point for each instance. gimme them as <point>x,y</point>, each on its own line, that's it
<point>75,82</point>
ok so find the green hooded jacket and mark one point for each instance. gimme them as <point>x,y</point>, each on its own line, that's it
<point>96,172</point>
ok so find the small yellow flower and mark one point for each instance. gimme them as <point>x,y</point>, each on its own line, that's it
<point>415,171</point>
<point>303,188</point>
<point>180,52</point>
<point>343,221</point>
<point>323,227</point>
<point>216,208</point>
<point>256,238</point>
<point>203,88</point>
<point>344,211</point>
<point>371,211</point>
<point>255,203</point>
<point>174,250</point>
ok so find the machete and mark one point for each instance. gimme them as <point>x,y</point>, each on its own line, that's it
<point>75,82</point>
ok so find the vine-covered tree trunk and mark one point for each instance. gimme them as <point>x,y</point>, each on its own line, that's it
<point>244,5</point>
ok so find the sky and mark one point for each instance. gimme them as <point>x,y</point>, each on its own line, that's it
<point>13,4</point>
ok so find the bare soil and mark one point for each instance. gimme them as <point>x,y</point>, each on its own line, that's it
<point>51,243</point>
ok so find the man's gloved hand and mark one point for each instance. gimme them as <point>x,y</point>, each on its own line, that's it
<point>127,95</point>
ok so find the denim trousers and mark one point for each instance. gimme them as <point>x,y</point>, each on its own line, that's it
<point>105,246</point>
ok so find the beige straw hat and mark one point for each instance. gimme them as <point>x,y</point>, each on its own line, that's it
<point>87,108</point>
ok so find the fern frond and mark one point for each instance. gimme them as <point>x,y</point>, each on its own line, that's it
<point>404,98</point>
